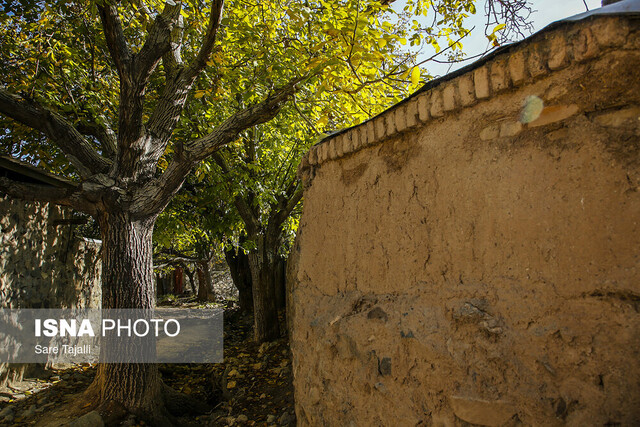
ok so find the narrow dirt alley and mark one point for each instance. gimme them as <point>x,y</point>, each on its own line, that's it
<point>252,387</point>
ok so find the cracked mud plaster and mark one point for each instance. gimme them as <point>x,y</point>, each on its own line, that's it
<point>448,278</point>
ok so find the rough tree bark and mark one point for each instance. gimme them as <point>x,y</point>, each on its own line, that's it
<point>262,261</point>
<point>238,263</point>
<point>205,284</point>
<point>192,283</point>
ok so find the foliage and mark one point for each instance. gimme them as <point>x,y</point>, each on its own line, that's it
<point>360,56</point>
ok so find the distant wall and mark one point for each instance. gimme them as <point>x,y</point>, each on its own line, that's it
<point>460,262</point>
<point>42,263</point>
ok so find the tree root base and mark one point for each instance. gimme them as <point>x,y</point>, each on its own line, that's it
<point>165,413</point>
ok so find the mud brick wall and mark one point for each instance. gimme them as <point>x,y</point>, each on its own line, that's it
<point>42,263</point>
<point>472,254</point>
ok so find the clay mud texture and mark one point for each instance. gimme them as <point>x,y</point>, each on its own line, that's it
<point>472,256</point>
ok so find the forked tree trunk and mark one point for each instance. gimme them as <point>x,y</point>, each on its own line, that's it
<point>262,261</point>
<point>127,283</point>
<point>240,270</point>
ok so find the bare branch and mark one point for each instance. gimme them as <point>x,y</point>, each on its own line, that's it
<point>70,196</point>
<point>115,37</point>
<point>79,151</point>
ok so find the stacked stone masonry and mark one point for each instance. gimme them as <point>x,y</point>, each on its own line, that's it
<point>470,256</point>
<point>42,263</point>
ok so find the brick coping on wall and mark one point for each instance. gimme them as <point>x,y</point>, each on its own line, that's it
<point>554,48</point>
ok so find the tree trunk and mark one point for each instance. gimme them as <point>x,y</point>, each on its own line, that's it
<point>189,275</point>
<point>127,282</point>
<point>178,287</point>
<point>262,261</point>
<point>279,281</point>
<point>205,285</point>
<point>238,263</point>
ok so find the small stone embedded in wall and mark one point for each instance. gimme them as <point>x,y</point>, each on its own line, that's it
<point>508,129</point>
<point>423,107</point>
<point>610,32</point>
<point>481,82</point>
<point>390,120</point>
<point>517,68</point>
<point>436,103</point>
<point>339,142</point>
<point>349,140</point>
<point>466,90</point>
<point>490,132</point>
<point>400,116</point>
<point>554,113</point>
<point>449,97</point>
<point>584,45</point>
<point>412,113</point>
<point>535,61</point>
<point>558,57</point>
<point>498,76</point>
<point>617,118</point>
<point>378,313</point>
<point>332,148</point>
<point>384,366</point>
<point>381,127</point>
<point>360,139</point>
<point>313,155</point>
<point>482,412</point>
<point>371,133</point>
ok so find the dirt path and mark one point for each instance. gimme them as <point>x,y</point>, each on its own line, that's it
<point>252,387</point>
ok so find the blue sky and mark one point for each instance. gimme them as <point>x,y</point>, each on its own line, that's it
<point>546,12</point>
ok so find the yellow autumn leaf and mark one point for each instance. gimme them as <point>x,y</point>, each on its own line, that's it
<point>415,76</point>
<point>231,384</point>
<point>198,94</point>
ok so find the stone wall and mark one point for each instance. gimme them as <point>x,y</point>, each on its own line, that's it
<point>471,255</point>
<point>42,263</point>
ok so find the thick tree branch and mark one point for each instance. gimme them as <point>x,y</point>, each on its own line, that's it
<point>103,134</point>
<point>79,151</point>
<point>157,44</point>
<point>209,41</point>
<point>172,60</point>
<point>115,37</point>
<point>262,112</point>
<point>156,194</point>
<point>287,204</point>
<point>179,81</point>
<point>71,196</point>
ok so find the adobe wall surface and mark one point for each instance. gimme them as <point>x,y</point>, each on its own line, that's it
<point>460,262</point>
<point>42,264</point>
